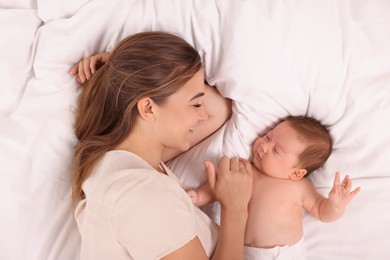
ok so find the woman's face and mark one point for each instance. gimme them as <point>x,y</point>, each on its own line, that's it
<point>180,114</point>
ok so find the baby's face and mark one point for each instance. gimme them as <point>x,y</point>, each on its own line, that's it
<point>276,153</point>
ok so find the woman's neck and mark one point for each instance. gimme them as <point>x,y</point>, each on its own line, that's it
<point>143,147</point>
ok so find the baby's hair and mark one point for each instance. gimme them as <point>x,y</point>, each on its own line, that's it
<point>316,137</point>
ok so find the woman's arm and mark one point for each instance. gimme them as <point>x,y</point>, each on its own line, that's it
<point>192,250</point>
<point>233,189</point>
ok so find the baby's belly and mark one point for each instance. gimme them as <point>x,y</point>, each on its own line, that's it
<point>269,225</point>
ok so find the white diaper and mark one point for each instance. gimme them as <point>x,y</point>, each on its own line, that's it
<point>296,251</point>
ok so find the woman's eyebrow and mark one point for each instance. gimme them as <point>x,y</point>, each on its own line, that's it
<point>197,96</point>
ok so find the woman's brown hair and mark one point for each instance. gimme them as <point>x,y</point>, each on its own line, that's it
<point>316,137</point>
<point>150,64</point>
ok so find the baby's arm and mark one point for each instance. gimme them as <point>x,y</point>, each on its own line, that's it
<point>332,208</point>
<point>202,195</point>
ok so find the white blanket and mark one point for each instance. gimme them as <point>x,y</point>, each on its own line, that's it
<point>325,58</point>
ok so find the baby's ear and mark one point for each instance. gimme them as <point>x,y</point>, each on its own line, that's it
<point>298,174</point>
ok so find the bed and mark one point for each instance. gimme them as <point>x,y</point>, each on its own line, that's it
<point>324,58</point>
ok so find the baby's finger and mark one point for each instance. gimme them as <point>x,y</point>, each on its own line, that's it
<point>336,179</point>
<point>191,193</point>
<point>347,183</point>
<point>355,191</point>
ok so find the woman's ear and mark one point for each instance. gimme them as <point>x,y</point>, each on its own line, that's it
<point>298,174</point>
<point>146,109</point>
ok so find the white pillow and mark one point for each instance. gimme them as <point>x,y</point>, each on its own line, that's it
<point>18,27</point>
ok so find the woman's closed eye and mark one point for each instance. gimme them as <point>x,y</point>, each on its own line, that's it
<point>198,105</point>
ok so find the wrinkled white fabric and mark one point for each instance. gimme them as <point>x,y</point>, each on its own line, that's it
<point>325,58</point>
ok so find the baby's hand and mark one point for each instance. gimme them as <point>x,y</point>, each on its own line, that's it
<point>194,196</point>
<point>341,195</point>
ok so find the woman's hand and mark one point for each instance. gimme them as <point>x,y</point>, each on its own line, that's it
<point>233,189</point>
<point>87,66</point>
<point>233,185</point>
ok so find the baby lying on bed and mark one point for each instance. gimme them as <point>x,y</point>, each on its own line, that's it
<point>293,149</point>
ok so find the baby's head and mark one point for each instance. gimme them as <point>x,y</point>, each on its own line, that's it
<point>316,138</point>
<point>293,148</point>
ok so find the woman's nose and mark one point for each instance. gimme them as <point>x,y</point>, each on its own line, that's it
<point>203,114</point>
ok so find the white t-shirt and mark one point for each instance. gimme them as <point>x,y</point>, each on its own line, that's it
<point>132,211</point>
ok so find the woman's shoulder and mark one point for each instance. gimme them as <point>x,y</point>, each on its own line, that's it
<point>119,171</point>
<point>139,184</point>
<point>142,180</point>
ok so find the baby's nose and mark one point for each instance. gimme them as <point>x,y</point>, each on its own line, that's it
<point>264,148</point>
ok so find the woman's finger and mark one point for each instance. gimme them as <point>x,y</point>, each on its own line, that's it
<point>234,164</point>
<point>87,70</point>
<point>211,175</point>
<point>247,166</point>
<point>74,70</point>
<point>241,166</point>
<point>224,165</point>
<point>81,72</point>
<point>92,64</point>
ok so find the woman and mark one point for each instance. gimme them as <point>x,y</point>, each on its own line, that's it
<point>149,97</point>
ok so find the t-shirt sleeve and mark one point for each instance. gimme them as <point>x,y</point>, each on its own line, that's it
<point>152,217</point>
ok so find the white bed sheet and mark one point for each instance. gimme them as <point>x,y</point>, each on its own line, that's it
<point>328,59</point>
